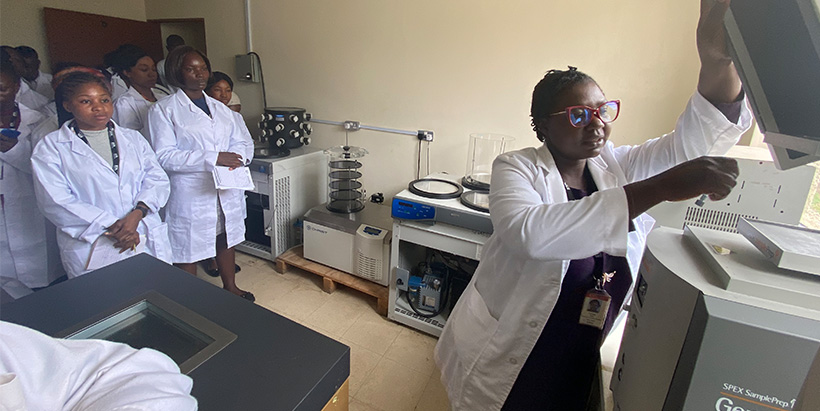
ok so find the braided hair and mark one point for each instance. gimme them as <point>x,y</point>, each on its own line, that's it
<point>547,90</point>
<point>70,83</point>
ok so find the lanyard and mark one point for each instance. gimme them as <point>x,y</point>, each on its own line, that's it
<point>14,123</point>
<point>115,156</point>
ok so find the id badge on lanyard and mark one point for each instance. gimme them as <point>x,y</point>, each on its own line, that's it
<point>596,303</point>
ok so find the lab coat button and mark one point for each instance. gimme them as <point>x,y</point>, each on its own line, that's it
<point>513,361</point>
<point>533,324</point>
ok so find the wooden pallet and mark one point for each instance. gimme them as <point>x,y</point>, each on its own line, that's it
<point>331,276</point>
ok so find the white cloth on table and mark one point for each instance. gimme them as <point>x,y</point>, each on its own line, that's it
<point>38,372</point>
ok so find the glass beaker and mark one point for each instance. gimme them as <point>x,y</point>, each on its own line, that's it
<point>483,149</point>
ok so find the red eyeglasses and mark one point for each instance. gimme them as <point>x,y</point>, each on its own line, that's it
<point>580,116</point>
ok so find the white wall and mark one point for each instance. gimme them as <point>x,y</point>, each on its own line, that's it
<point>21,21</point>
<point>455,67</point>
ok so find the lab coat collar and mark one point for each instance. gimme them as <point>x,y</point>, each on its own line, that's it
<point>597,167</point>
<point>67,135</point>
<point>184,100</point>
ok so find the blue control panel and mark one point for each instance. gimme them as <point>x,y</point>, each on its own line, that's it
<point>410,210</point>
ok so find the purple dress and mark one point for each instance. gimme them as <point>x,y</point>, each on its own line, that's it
<point>561,370</point>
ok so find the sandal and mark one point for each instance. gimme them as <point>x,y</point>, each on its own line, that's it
<point>214,272</point>
<point>248,296</point>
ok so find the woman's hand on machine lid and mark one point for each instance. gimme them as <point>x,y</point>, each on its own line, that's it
<point>227,159</point>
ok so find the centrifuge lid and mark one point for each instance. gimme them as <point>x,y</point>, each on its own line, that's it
<point>479,182</point>
<point>478,200</point>
<point>435,188</point>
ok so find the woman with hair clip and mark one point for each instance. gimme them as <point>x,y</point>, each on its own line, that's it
<point>94,178</point>
<point>140,73</point>
<point>570,230</point>
<point>192,134</point>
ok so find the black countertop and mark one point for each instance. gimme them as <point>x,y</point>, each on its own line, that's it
<point>274,364</point>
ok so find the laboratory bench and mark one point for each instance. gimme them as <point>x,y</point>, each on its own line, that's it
<point>273,362</point>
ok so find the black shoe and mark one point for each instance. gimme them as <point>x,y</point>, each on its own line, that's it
<point>214,272</point>
<point>248,296</point>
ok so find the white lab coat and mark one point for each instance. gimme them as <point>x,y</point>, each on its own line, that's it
<point>34,100</point>
<point>42,85</point>
<point>26,256</point>
<point>38,372</point>
<point>187,142</point>
<point>80,193</point>
<point>118,86</point>
<point>501,314</point>
<point>131,111</point>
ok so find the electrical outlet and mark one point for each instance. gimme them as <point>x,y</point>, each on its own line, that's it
<point>425,135</point>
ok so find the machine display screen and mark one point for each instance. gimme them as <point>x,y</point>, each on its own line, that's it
<point>372,230</point>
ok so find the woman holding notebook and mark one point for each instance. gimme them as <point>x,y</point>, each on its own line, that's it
<point>193,134</point>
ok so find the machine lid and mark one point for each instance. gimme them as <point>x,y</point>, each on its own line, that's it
<point>477,181</point>
<point>267,152</point>
<point>435,188</point>
<point>478,200</point>
<point>346,152</point>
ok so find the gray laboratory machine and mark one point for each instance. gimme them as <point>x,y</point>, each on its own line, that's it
<point>714,325</point>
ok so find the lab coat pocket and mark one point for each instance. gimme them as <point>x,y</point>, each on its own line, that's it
<point>473,327</point>
<point>158,244</point>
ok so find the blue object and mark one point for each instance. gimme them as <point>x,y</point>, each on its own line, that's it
<point>410,210</point>
<point>10,132</point>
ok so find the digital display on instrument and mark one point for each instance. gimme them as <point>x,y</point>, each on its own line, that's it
<point>372,230</point>
<point>412,211</point>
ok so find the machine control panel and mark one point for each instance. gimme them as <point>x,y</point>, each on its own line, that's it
<point>410,210</point>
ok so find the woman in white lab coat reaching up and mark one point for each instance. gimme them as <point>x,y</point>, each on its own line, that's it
<point>94,178</point>
<point>569,232</point>
<point>192,134</point>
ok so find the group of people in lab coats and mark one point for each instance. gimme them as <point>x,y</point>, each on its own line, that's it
<point>135,170</point>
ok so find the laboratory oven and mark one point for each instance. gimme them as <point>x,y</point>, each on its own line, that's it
<point>284,190</point>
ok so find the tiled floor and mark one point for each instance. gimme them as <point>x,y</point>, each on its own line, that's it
<point>391,365</point>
